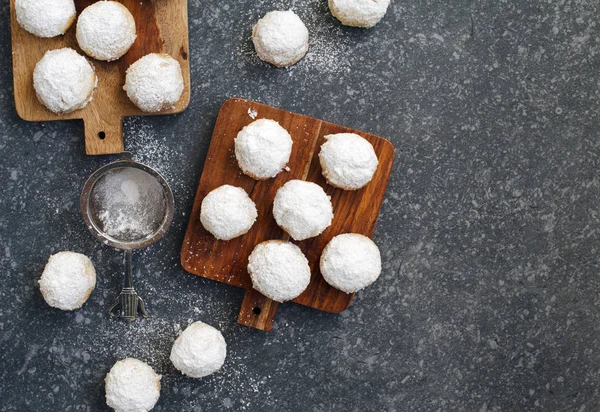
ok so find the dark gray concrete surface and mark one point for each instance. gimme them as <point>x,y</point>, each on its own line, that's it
<point>489,298</point>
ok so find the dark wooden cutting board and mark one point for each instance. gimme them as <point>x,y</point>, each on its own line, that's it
<point>226,261</point>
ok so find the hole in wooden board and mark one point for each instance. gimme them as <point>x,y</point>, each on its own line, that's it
<point>256,311</point>
<point>101,135</point>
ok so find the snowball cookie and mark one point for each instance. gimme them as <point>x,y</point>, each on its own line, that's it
<point>64,81</point>
<point>359,13</point>
<point>350,262</point>
<point>45,18</point>
<point>154,82</point>
<point>280,38</point>
<point>263,148</point>
<point>302,209</point>
<point>105,30</point>
<point>348,161</point>
<point>279,270</point>
<point>132,386</point>
<point>68,280</point>
<point>227,212</point>
<point>199,351</point>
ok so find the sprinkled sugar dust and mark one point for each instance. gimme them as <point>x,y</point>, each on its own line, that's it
<point>150,340</point>
<point>329,48</point>
<point>130,204</point>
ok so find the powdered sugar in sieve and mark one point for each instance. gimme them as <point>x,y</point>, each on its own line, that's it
<point>129,203</point>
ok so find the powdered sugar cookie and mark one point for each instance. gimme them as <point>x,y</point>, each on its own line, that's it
<point>348,160</point>
<point>350,262</point>
<point>302,209</point>
<point>45,18</point>
<point>263,148</point>
<point>199,351</point>
<point>228,212</point>
<point>68,280</point>
<point>359,13</point>
<point>280,38</point>
<point>132,386</point>
<point>64,81</point>
<point>105,30</point>
<point>154,82</point>
<point>279,270</point>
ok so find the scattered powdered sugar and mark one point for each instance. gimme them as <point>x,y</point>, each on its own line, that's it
<point>252,113</point>
<point>330,47</point>
<point>329,50</point>
<point>130,203</point>
<point>155,147</point>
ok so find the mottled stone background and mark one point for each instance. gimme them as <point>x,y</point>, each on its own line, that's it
<point>489,298</point>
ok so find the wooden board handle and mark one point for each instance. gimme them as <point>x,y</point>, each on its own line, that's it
<point>257,311</point>
<point>103,136</point>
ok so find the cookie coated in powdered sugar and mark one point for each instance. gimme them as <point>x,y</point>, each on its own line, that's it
<point>106,30</point>
<point>302,209</point>
<point>64,81</point>
<point>280,38</point>
<point>199,351</point>
<point>263,149</point>
<point>227,212</point>
<point>45,18</point>
<point>279,270</point>
<point>154,82</point>
<point>348,161</point>
<point>350,262</point>
<point>359,13</point>
<point>132,386</point>
<point>68,280</point>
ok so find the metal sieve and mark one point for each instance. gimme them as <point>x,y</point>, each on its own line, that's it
<point>128,303</point>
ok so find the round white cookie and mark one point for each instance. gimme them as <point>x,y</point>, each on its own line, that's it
<point>263,148</point>
<point>45,18</point>
<point>64,81</point>
<point>280,38</point>
<point>348,161</point>
<point>302,209</point>
<point>359,13</point>
<point>227,212</point>
<point>279,270</point>
<point>68,280</point>
<point>106,30</point>
<point>350,262</point>
<point>199,351</point>
<point>154,82</point>
<point>132,386</point>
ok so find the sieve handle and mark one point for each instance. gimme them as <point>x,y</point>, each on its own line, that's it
<point>128,303</point>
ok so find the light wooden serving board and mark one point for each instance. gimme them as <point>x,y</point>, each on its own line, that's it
<point>162,27</point>
<point>226,261</point>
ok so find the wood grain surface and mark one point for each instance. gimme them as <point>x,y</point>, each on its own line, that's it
<point>162,27</point>
<point>226,261</point>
